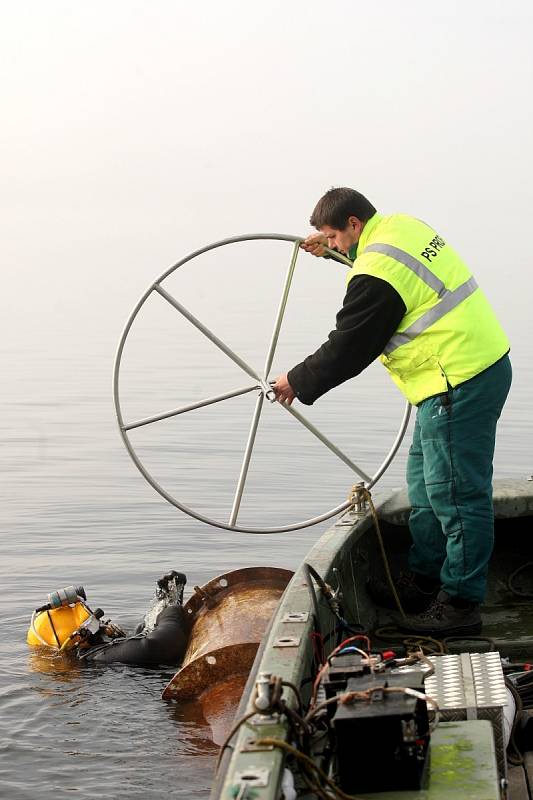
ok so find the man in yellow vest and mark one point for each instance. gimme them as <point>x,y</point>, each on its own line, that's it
<point>412,302</point>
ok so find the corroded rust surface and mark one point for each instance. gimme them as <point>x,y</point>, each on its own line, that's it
<point>238,580</point>
<point>230,616</point>
<point>205,672</point>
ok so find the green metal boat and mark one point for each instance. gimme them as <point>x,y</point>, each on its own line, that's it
<point>259,759</point>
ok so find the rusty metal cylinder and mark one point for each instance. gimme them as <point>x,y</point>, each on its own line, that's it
<point>229,615</point>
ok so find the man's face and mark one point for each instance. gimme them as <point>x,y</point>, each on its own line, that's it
<point>345,239</point>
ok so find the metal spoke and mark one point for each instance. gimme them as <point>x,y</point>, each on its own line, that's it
<point>260,384</point>
<point>281,309</point>
<point>210,335</point>
<point>191,407</point>
<point>334,449</point>
<point>246,459</point>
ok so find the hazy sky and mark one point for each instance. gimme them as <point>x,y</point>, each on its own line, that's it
<point>133,132</point>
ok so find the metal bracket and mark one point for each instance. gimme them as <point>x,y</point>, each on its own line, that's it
<point>358,498</point>
<point>251,746</point>
<point>296,616</point>
<point>349,519</point>
<point>288,641</point>
<point>265,719</point>
<point>256,777</point>
<point>206,597</point>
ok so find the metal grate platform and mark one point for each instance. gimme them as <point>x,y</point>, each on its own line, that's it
<point>470,686</point>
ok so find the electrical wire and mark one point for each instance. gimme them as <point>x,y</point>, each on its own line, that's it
<point>308,572</point>
<point>231,734</point>
<point>327,592</point>
<point>354,638</point>
<point>515,756</point>
<point>413,658</point>
<point>315,789</point>
<point>301,723</point>
<point>298,724</point>
<point>268,741</point>
<point>366,695</point>
<point>297,694</point>
<point>523,684</point>
<point>326,665</point>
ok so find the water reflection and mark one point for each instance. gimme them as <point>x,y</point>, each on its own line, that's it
<point>189,717</point>
<point>61,666</point>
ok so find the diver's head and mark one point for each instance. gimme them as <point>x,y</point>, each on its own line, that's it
<point>65,621</point>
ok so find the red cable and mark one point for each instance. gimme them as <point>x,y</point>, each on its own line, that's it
<point>318,646</point>
<point>326,664</point>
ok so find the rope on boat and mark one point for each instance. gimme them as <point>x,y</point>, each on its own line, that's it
<point>512,577</point>
<point>359,495</point>
<point>427,644</point>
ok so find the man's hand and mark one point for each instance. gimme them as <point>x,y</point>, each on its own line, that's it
<point>315,244</point>
<point>283,389</point>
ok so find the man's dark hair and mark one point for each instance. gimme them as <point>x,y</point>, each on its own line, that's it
<point>337,205</point>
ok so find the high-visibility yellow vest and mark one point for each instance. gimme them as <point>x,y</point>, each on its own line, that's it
<point>449,332</point>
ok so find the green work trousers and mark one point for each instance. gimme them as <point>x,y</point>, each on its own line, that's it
<point>449,479</point>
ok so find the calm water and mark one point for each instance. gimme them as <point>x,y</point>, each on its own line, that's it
<point>75,510</point>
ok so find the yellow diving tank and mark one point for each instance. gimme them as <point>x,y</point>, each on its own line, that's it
<point>53,624</point>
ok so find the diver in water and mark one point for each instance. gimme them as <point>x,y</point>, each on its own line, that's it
<point>67,624</point>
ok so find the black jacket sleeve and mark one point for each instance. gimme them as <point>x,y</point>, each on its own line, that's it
<point>370,314</point>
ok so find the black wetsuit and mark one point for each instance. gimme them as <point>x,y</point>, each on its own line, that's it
<point>165,644</point>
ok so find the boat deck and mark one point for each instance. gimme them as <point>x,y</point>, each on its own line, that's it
<point>521,779</point>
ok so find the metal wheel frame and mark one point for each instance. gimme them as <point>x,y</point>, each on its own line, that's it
<point>261,385</point>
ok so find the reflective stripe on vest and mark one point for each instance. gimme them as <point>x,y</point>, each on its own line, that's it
<point>448,300</point>
<point>411,263</point>
<point>447,303</point>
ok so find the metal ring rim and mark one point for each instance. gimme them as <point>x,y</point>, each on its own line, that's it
<point>133,455</point>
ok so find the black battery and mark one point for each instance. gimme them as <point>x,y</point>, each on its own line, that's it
<point>341,669</point>
<point>382,743</point>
